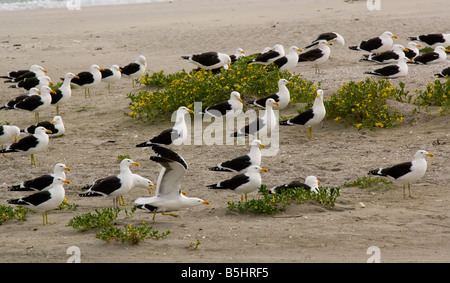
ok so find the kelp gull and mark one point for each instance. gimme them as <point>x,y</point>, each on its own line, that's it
<point>44,200</point>
<point>242,163</point>
<point>30,144</point>
<point>406,172</point>
<point>311,184</point>
<point>168,196</point>
<point>310,117</point>
<point>175,135</point>
<point>378,44</point>
<point>242,183</point>
<point>282,97</point>
<point>317,55</point>
<point>114,186</point>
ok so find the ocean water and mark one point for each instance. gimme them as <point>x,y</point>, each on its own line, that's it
<point>11,5</point>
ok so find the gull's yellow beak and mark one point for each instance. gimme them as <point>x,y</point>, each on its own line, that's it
<point>261,145</point>
<point>183,193</point>
<point>410,61</point>
<point>120,70</point>
<point>206,202</point>
<point>240,99</point>
<point>67,181</point>
<point>299,50</point>
<point>276,103</point>
<point>191,111</point>
<point>154,186</point>
<point>67,169</point>
<point>318,181</point>
<point>15,139</point>
<point>135,164</point>
<point>430,154</point>
<point>101,69</point>
<point>405,49</point>
<point>76,77</point>
<point>264,170</point>
<point>53,122</point>
<point>45,71</point>
<point>50,83</point>
<point>48,132</point>
<point>394,36</point>
<point>53,92</point>
<point>446,50</point>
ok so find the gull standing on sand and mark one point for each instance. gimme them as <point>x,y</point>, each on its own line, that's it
<point>406,172</point>
<point>10,104</point>
<point>44,200</point>
<point>310,117</point>
<point>64,92</point>
<point>242,163</point>
<point>114,186</point>
<point>136,69</point>
<point>378,44</point>
<point>30,144</point>
<point>87,80</point>
<point>242,184</point>
<point>317,55</point>
<point>168,196</point>
<point>35,103</point>
<point>111,75</point>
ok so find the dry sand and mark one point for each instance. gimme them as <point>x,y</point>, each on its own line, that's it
<point>406,230</point>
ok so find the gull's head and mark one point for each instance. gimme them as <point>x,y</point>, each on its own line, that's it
<point>70,76</point>
<point>128,162</point>
<point>422,154</point>
<point>256,169</point>
<point>312,181</point>
<point>61,167</point>
<point>389,34</point>
<point>41,130</point>
<point>294,49</point>
<point>282,82</point>
<point>271,102</point>
<point>184,110</point>
<point>258,143</point>
<point>141,60</point>
<point>319,93</point>
<point>236,96</point>
<point>57,120</point>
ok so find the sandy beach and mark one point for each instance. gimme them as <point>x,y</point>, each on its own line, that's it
<point>97,131</point>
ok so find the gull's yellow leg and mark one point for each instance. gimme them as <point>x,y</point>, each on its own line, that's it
<point>170,214</point>
<point>33,162</point>
<point>310,134</point>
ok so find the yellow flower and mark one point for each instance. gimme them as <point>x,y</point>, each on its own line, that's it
<point>358,125</point>
<point>378,124</point>
<point>337,118</point>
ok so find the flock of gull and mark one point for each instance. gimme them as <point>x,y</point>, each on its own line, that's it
<point>49,191</point>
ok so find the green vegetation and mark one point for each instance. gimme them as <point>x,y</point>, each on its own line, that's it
<point>183,89</point>
<point>130,234</point>
<point>8,213</point>
<point>437,93</point>
<point>274,203</point>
